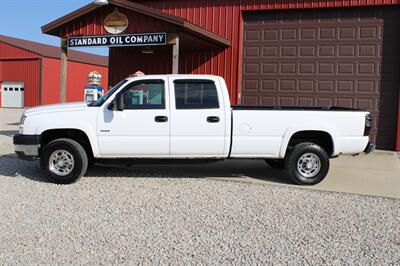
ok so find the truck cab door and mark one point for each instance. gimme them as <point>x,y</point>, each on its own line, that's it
<point>141,129</point>
<point>198,119</point>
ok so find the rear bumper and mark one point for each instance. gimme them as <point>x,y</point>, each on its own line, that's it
<point>370,147</point>
<point>26,147</point>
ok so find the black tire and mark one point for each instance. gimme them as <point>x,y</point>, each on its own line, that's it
<point>276,163</point>
<point>73,150</point>
<point>304,154</point>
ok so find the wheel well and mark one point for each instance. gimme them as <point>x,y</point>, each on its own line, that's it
<point>320,138</point>
<point>74,134</point>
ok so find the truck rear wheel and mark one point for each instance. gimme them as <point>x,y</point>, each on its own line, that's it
<point>64,160</point>
<point>307,163</point>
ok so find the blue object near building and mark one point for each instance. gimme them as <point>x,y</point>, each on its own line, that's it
<point>93,92</point>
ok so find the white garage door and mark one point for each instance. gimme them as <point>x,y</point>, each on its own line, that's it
<point>12,94</point>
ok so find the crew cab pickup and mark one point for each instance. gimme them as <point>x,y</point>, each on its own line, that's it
<point>187,117</point>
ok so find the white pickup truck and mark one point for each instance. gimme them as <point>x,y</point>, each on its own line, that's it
<point>187,117</point>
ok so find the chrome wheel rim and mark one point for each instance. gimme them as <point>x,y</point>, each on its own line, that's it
<point>61,162</point>
<point>309,165</point>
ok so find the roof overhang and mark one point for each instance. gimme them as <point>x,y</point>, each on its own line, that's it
<point>186,26</point>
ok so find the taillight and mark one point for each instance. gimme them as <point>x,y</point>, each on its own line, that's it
<point>368,124</point>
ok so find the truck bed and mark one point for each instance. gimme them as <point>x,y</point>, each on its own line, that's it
<point>264,131</point>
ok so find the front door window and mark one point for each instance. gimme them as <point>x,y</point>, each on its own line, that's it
<point>147,95</point>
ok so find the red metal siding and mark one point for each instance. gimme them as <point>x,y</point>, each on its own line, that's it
<point>129,60</point>
<point>224,17</point>
<point>11,52</point>
<point>92,23</point>
<point>20,65</point>
<point>76,80</point>
<point>27,71</point>
<point>51,81</point>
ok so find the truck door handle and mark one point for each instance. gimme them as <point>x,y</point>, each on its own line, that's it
<point>212,119</point>
<point>161,119</point>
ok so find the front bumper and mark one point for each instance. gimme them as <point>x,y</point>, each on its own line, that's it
<point>26,147</point>
<point>370,147</point>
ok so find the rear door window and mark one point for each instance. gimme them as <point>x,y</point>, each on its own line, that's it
<point>196,94</point>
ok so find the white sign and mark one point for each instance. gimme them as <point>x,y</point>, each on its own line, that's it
<point>140,39</point>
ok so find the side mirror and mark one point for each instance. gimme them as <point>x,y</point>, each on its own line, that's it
<point>111,106</point>
<point>118,103</point>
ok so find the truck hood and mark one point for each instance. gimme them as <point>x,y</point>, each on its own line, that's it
<point>51,108</point>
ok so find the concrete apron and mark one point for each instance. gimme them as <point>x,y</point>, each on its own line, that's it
<point>375,174</point>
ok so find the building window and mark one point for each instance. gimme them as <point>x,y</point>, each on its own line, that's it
<point>196,94</point>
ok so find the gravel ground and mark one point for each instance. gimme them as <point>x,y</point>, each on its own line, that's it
<point>138,215</point>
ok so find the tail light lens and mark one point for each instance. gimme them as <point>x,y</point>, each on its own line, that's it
<point>368,124</point>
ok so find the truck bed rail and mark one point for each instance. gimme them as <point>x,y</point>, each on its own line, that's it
<point>293,108</point>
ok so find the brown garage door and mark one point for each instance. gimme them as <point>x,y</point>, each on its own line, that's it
<point>345,57</point>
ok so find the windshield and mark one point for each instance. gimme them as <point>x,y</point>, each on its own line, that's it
<point>104,98</point>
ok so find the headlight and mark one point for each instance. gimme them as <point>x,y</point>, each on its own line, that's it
<point>21,124</point>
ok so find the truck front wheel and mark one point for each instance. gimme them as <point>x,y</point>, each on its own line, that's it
<point>307,163</point>
<point>64,160</point>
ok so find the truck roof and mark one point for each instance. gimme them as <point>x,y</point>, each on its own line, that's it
<point>188,76</point>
